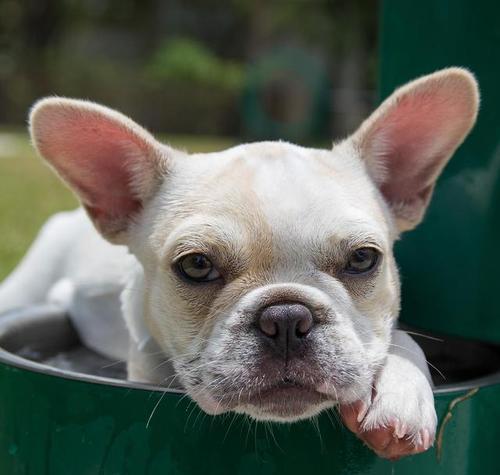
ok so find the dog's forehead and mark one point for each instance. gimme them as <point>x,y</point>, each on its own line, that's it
<point>288,188</point>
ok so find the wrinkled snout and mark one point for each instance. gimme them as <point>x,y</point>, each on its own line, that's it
<point>285,352</point>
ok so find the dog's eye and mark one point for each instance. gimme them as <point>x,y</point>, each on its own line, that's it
<point>362,260</point>
<point>198,268</point>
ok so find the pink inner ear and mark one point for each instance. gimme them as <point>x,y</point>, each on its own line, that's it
<point>94,154</point>
<point>414,139</point>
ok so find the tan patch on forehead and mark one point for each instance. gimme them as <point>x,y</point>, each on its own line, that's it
<point>247,258</point>
<point>235,170</point>
<point>244,206</point>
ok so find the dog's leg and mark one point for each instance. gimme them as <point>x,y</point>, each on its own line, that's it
<point>41,268</point>
<point>400,419</point>
<point>149,364</point>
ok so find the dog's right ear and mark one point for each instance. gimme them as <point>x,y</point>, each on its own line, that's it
<point>113,165</point>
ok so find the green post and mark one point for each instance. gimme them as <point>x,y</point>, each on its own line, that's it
<point>450,264</point>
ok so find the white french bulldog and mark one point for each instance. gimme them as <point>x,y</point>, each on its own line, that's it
<point>261,279</point>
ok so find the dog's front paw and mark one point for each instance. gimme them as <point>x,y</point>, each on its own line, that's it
<point>400,419</point>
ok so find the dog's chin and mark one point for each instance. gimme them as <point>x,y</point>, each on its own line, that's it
<point>285,403</point>
<point>280,403</point>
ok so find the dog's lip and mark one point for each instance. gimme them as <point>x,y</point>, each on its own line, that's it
<point>286,393</point>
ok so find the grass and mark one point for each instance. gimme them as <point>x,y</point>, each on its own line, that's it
<point>30,192</point>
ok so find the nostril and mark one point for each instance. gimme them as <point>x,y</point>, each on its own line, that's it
<point>268,327</point>
<point>273,321</point>
<point>303,328</point>
<point>303,320</point>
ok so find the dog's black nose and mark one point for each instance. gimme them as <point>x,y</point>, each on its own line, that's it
<point>285,325</point>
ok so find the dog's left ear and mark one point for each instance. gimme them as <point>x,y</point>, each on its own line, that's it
<point>409,139</point>
<point>111,163</point>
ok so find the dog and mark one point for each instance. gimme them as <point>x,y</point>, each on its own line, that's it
<point>260,279</point>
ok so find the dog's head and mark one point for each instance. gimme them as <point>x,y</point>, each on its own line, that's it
<point>269,272</point>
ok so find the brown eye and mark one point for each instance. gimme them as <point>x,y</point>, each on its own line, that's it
<point>198,268</point>
<point>362,260</point>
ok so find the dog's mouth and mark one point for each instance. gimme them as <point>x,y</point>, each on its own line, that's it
<point>284,400</point>
<point>269,388</point>
<point>283,392</point>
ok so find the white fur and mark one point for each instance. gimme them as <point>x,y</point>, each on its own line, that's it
<point>286,216</point>
<point>403,393</point>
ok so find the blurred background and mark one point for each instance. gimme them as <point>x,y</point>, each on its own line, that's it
<point>199,74</point>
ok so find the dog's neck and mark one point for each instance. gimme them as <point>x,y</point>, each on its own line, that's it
<point>132,302</point>
<point>147,362</point>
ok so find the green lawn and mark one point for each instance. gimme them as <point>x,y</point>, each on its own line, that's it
<point>30,192</point>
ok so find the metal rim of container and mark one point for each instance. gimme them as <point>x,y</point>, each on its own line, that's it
<point>10,359</point>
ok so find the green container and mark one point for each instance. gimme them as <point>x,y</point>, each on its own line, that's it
<point>449,264</point>
<point>59,422</point>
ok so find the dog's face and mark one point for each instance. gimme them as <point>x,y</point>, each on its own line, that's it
<point>270,277</point>
<point>269,274</point>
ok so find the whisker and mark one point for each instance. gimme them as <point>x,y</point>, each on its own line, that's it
<point>423,335</point>
<point>155,408</point>
<point>416,354</point>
